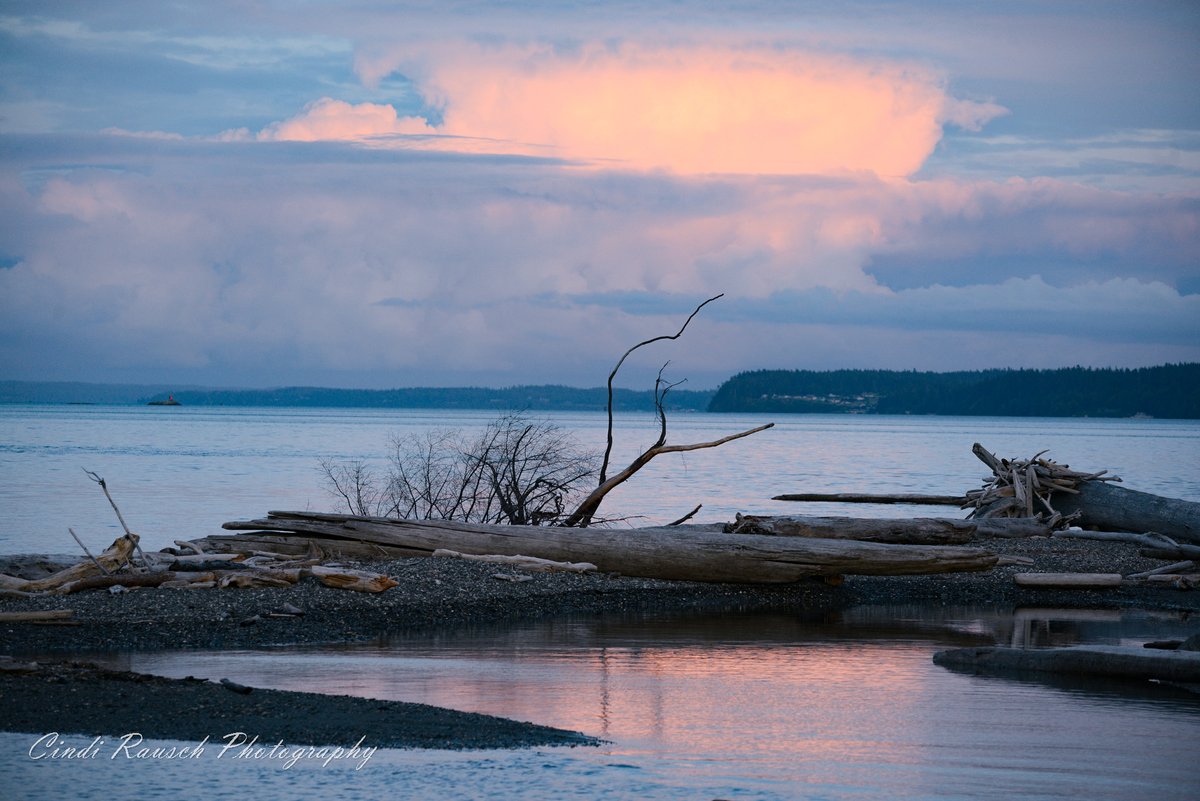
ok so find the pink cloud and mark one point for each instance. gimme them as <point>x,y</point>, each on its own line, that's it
<point>690,109</point>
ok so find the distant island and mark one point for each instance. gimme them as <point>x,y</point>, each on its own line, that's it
<point>1168,391</point>
<point>170,401</point>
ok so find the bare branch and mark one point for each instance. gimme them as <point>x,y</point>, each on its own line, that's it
<point>611,376</point>
<point>128,534</point>
<point>686,517</point>
<point>591,503</point>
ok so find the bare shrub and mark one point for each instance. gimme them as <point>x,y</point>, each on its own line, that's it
<point>517,471</point>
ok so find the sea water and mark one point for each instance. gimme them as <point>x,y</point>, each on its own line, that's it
<point>844,705</point>
<point>180,472</point>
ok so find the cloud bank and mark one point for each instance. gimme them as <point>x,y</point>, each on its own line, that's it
<point>522,205</point>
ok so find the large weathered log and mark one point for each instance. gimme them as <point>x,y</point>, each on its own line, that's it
<point>1094,660</point>
<point>695,553</point>
<point>915,531</point>
<point>1111,508</point>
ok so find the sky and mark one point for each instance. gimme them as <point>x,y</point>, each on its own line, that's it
<point>385,194</point>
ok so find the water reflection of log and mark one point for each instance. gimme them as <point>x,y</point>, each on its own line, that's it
<point>1111,661</point>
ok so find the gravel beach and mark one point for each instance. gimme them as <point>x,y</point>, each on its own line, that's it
<point>435,593</point>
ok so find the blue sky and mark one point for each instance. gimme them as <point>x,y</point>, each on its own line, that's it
<point>393,194</point>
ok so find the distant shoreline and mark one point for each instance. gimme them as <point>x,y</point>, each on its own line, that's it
<point>1169,391</point>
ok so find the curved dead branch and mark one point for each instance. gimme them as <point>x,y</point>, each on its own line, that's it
<point>613,375</point>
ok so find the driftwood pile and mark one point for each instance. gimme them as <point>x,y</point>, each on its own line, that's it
<point>116,571</point>
<point>1023,488</point>
<point>1036,497</point>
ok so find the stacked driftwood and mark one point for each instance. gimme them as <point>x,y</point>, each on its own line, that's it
<point>1023,488</point>
<point>117,570</point>
<point>1036,497</point>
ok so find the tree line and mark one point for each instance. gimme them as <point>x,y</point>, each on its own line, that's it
<point>1167,391</point>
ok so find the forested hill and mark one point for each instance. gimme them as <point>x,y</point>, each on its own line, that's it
<point>1171,391</point>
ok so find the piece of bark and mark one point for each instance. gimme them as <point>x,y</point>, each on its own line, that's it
<point>250,580</point>
<point>185,584</point>
<point>352,580</point>
<point>1069,580</point>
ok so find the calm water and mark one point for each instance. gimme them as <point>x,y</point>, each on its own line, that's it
<point>758,707</point>
<point>844,706</point>
<point>181,472</point>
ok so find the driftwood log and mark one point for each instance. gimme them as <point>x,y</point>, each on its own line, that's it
<point>1095,660</point>
<point>127,580</point>
<point>689,553</point>
<point>864,497</point>
<point>114,557</point>
<point>36,617</point>
<point>915,531</point>
<point>527,563</point>
<point>351,579</point>
<point>1075,581</point>
<point>1109,508</point>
